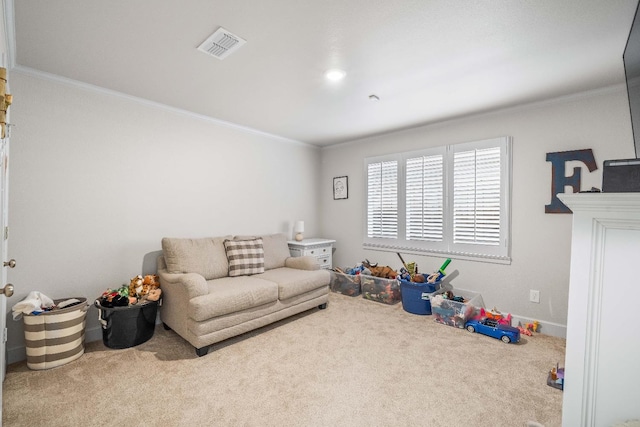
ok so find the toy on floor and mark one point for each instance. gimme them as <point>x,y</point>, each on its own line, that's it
<point>385,272</point>
<point>452,310</point>
<point>524,331</point>
<point>492,314</point>
<point>358,269</point>
<point>496,315</point>
<point>409,271</point>
<point>533,326</point>
<point>438,275</point>
<point>381,290</point>
<point>491,327</point>
<point>344,283</point>
<point>555,378</point>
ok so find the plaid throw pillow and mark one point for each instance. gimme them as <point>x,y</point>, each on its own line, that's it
<point>245,257</point>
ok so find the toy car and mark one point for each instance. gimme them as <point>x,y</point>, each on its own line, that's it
<point>493,329</point>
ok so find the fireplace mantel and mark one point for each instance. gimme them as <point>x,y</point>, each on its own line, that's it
<point>602,362</point>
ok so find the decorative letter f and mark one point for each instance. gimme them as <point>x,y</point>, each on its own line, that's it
<point>558,179</point>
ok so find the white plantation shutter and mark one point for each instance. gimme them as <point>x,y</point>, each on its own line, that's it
<point>382,200</point>
<point>424,198</point>
<point>477,196</point>
<point>451,200</point>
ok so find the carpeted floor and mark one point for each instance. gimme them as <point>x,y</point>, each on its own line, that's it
<point>357,363</point>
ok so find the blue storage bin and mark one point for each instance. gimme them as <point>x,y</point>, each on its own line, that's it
<point>416,297</point>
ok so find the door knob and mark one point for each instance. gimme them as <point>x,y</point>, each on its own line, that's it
<point>11,263</point>
<point>7,290</point>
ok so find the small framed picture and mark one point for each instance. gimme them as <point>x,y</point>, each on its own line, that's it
<point>341,187</point>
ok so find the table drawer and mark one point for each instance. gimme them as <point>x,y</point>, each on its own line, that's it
<point>325,261</point>
<point>318,251</point>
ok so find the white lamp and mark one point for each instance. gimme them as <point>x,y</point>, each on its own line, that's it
<point>298,228</point>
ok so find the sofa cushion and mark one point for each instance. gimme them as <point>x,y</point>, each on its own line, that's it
<point>231,295</point>
<point>276,250</point>
<point>245,257</point>
<point>292,282</point>
<point>204,256</point>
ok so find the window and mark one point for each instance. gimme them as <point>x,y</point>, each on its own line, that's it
<point>382,205</point>
<point>451,200</point>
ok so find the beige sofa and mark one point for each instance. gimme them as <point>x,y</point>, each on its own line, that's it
<point>204,305</point>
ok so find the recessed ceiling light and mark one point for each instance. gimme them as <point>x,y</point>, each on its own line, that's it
<point>335,75</point>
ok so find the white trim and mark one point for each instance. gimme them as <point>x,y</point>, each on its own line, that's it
<point>586,401</point>
<point>594,308</point>
<point>545,328</point>
<point>424,252</point>
<point>27,71</point>
<point>451,122</point>
<point>10,32</point>
<point>602,202</point>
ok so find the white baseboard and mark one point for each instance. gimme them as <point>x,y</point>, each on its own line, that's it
<point>546,328</point>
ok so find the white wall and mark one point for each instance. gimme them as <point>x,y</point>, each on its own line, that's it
<point>540,242</point>
<point>97,180</point>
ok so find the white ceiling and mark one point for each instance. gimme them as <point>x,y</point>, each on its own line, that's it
<point>427,60</point>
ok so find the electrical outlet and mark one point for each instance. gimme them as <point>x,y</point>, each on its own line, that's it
<point>534,296</point>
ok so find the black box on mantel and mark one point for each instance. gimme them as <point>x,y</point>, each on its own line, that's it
<point>621,176</point>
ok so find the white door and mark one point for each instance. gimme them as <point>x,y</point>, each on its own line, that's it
<point>5,289</point>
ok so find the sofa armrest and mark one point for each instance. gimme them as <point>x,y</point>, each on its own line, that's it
<point>193,284</point>
<point>302,263</point>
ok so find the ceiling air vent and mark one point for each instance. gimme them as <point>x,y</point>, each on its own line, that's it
<point>221,43</point>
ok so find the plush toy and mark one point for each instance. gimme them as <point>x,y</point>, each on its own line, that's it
<point>151,287</point>
<point>149,282</point>
<point>136,287</point>
<point>154,294</point>
<point>417,278</point>
<point>382,272</point>
<point>115,298</point>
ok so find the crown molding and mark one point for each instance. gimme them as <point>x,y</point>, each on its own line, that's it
<point>591,93</point>
<point>31,72</point>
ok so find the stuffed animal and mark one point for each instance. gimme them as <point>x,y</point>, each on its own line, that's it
<point>151,287</point>
<point>149,282</point>
<point>382,272</point>
<point>144,288</point>
<point>417,278</point>
<point>115,298</point>
<point>154,294</point>
<point>136,287</point>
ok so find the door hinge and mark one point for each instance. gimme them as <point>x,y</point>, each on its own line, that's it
<point>4,335</point>
<point>6,232</point>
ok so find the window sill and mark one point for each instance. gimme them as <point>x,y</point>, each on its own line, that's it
<point>453,255</point>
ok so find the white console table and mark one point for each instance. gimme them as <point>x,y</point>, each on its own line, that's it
<point>602,362</point>
<point>320,248</point>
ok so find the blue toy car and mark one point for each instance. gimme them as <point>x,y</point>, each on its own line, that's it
<point>493,329</point>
